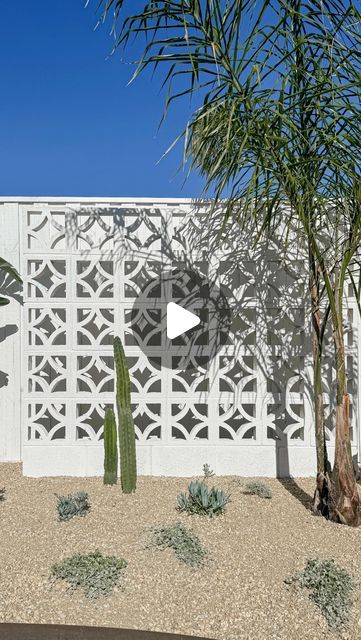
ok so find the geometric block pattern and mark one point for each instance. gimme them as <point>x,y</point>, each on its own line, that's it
<point>84,269</point>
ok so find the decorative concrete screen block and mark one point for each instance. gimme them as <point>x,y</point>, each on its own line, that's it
<point>246,411</point>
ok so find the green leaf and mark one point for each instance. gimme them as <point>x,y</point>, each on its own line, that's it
<point>6,267</point>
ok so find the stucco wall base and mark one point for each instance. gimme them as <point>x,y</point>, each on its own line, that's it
<point>86,459</point>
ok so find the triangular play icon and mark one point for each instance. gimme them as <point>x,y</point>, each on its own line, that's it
<point>179,320</point>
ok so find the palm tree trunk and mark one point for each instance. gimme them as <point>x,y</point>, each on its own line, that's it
<point>346,498</point>
<point>321,497</point>
<point>321,452</point>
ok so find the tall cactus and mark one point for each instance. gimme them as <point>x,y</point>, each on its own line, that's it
<point>110,448</point>
<point>128,465</point>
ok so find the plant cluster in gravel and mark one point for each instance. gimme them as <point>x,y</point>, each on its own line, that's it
<point>207,471</point>
<point>202,500</point>
<point>94,573</point>
<point>185,542</point>
<point>2,494</point>
<point>259,489</point>
<point>72,505</point>
<point>331,587</point>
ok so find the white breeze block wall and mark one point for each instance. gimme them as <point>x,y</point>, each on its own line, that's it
<point>10,336</point>
<point>247,412</point>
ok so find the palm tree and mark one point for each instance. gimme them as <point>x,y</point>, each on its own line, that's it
<point>278,130</point>
<point>206,142</point>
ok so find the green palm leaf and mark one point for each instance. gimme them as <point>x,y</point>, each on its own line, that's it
<point>277,121</point>
<point>6,267</point>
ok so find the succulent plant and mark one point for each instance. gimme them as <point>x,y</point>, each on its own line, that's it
<point>330,587</point>
<point>72,505</point>
<point>259,489</point>
<point>127,450</point>
<point>207,471</point>
<point>202,500</point>
<point>94,573</point>
<point>186,544</point>
<point>110,448</point>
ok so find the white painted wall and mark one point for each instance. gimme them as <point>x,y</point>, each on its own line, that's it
<point>10,367</point>
<point>72,456</point>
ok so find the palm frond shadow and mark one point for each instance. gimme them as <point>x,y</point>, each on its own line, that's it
<point>297,492</point>
<point>266,290</point>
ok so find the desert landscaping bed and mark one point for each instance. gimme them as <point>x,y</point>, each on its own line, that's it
<point>238,594</point>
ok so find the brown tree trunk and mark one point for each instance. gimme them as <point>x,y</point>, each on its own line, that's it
<point>345,495</point>
<point>321,452</point>
<point>322,494</point>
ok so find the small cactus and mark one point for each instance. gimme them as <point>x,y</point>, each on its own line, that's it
<point>110,448</point>
<point>127,450</point>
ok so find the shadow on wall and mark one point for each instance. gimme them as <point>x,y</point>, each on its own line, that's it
<point>262,373</point>
<point>5,332</point>
<point>9,288</point>
<point>8,330</point>
<point>263,376</point>
<point>267,291</point>
<point>285,478</point>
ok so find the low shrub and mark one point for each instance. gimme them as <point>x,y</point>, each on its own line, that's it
<point>94,573</point>
<point>202,500</point>
<point>259,489</point>
<point>2,494</point>
<point>331,589</point>
<point>72,505</point>
<point>185,542</point>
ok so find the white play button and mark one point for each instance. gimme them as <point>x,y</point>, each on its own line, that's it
<point>179,320</point>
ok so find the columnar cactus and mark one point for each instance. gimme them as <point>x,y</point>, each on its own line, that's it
<point>110,448</point>
<point>128,465</point>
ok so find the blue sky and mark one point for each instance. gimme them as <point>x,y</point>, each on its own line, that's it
<point>69,125</point>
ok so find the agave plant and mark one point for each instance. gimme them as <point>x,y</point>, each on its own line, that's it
<point>202,500</point>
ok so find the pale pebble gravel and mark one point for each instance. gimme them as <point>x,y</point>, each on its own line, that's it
<point>239,595</point>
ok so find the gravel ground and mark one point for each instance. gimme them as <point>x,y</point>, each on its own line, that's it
<point>239,595</point>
